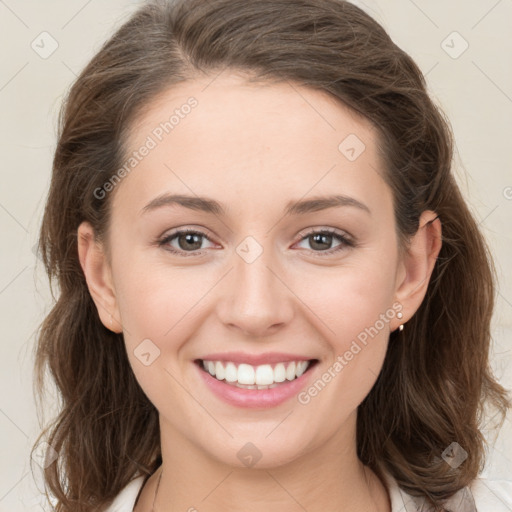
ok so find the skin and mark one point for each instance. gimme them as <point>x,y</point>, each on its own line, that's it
<point>254,148</point>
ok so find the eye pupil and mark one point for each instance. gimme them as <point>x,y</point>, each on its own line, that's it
<point>320,238</point>
<point>189,238</point>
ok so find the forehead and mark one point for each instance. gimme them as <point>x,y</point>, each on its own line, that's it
<point>235,101</point>
<point>208,135</point>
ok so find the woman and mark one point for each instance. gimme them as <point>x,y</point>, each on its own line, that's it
<point>272,293</point>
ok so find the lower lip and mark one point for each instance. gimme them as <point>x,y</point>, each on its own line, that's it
<point>255,398</point>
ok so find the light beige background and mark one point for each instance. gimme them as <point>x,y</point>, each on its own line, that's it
<point>474,88</point>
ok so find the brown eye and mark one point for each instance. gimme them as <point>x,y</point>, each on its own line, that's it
<point>321,241</point>
<point>188,241</point>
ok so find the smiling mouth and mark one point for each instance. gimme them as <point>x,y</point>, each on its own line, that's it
<point>265,376</point>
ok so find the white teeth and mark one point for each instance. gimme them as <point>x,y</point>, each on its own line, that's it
<point>245,374</point>
<point>255,377</point>
<point>290,371</point>
<point>264,375</point>
<point>219,370</point>
<point>231,373</point>
<point>279,373</point>
<point>301,368</point>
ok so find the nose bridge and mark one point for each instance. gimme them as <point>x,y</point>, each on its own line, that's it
<point>256,300</point>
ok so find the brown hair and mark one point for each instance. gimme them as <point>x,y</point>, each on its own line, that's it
<point>436,378</point>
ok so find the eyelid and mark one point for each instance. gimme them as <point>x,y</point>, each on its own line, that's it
<point>331,231</point>
<point>200,230</point>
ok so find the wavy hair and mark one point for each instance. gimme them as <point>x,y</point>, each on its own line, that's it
<point>436,379</point>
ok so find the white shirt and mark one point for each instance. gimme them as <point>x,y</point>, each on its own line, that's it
<point>482,495</point>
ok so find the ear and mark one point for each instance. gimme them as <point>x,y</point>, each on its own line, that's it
<point>417,264</point>
<point>98,275</point>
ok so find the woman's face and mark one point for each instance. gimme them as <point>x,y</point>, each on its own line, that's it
<point>263,171</point>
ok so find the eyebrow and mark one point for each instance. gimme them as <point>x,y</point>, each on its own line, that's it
<point>301,207</point>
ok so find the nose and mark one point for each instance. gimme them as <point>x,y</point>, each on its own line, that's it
<point>255,297</point>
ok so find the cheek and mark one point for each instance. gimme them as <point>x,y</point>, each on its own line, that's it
<point>355,310</point>
<point>152,292</point>
<point>162,303</point>
<point>349,299</point>
<point>157,309</point>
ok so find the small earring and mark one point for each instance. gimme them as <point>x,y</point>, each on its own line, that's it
<point>401,326</point>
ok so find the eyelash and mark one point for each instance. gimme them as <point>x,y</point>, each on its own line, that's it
<point>345,241</point>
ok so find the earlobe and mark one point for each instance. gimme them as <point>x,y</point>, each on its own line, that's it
<point>98,276</point>
<point>418,264</point>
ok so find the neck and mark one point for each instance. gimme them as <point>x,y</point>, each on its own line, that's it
<point>329,477</point>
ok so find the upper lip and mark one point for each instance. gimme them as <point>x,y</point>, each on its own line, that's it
<point>255,359</point>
